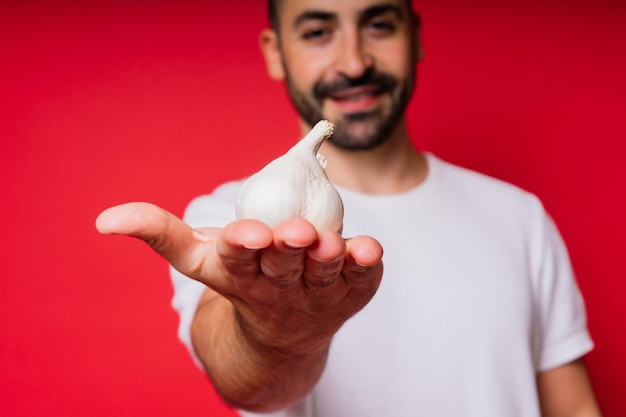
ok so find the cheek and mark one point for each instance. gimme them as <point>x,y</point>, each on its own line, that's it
<point>394,58</point>
<point>308,68</point>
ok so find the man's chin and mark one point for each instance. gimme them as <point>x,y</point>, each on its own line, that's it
<point>362,116</point>
<point>355,118</point>
<point>361,123</point>
<point>359,131</point>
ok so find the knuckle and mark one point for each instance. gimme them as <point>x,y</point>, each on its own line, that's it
<point>283,280</point>
<point>320,282</point>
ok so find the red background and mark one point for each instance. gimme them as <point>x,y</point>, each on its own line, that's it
<point>117,101</point>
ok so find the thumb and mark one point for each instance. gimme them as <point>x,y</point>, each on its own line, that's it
<point>161,230</point>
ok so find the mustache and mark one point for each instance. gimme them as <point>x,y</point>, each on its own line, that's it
<point>384,82</point>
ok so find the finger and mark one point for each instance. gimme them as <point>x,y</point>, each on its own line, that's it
<point>366,251</point>
<point>183,248</point>
<point>363,266</point>
<point>238,246</point>
<point>283,262</point>
<point>324,260</point>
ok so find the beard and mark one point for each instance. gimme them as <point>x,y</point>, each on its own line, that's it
<point>360,130</point>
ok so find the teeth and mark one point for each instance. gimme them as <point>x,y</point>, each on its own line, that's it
<point>359,97</point>
<point>354,97</point>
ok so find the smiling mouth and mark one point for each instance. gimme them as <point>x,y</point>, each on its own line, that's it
<point>356,93</point>
<point>356,98</point>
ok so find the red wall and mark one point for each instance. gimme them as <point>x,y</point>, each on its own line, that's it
<point>117,101</point>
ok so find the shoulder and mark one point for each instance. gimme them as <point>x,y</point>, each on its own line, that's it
<point>472,190</point>
<point>467,181</point>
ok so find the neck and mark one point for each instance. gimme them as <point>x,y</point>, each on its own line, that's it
<point>393,167</point>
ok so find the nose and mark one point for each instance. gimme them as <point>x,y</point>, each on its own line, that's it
<point>353,60</point>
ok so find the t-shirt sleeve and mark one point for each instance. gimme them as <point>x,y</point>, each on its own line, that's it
<point>562,322</point>
<point>215,210</point>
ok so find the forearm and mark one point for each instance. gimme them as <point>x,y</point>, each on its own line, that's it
<point>567,392</point>
<point>248,375</point>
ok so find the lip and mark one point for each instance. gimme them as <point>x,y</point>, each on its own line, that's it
<point>356,99</point>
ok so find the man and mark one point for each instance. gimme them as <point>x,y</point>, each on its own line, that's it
<point>478,313</point>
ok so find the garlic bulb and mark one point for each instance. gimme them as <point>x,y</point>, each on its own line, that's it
<point>294,185</point>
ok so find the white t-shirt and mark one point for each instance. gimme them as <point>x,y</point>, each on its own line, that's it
<point>477,297</point>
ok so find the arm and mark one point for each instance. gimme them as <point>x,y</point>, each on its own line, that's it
<point>275,297</point>
<point>246,374</point>
<point>566,391</point>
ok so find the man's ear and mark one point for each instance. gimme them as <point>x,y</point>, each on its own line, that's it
<point>270,48</point>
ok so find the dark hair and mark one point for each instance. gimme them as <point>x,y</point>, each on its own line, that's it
<point>273,5</point>
<point>272,13</point>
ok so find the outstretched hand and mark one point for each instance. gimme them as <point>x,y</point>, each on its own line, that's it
<point>291,287</point>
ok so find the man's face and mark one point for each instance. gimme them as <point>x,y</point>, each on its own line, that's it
<point>351,62</point>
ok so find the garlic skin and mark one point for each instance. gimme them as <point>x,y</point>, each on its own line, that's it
<point>294,185</point>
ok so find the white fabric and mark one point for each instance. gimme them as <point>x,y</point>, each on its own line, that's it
<point>477,296</point>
